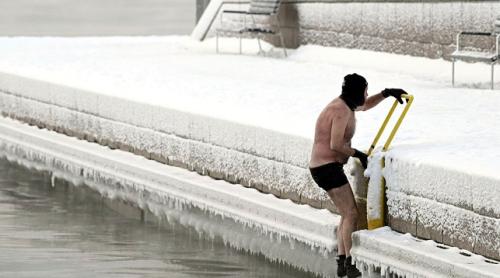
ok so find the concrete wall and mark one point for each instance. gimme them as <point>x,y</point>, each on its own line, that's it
<point>417,28</point>
<point>464,212</point>
<point>420,28</point>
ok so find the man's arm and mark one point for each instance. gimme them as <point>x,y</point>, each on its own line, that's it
<point>371,102</point>
<point>376,99</point>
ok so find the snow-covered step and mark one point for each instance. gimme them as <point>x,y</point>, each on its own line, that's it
<point>386,252</point>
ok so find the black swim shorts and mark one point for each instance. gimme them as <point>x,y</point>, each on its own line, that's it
<point>329,176</point>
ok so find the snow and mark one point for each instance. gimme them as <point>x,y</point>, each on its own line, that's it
<point>243,217</point>
<point>375,194</point>
<point>487,56</point>
<point>407,256</point>
<point>255,115</point>
<point>157,69</point>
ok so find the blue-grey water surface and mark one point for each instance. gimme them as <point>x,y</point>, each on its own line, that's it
<point>68,231</point>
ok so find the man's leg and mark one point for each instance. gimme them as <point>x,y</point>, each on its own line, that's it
<point>341,268</point>
<point>343,198</point>
<point>340,238</point>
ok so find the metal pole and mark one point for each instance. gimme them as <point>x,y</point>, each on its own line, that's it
<point>453,72</point>
<point>492,75</point>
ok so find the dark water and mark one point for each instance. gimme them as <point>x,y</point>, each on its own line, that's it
<point>67,231</point>
<point>96,17</point>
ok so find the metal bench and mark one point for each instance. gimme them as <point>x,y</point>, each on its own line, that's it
<point>477,56</point>
<point>265,9</point>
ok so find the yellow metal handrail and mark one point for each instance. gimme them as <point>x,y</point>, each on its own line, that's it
<point>409,101</point>
<point>379,222</point>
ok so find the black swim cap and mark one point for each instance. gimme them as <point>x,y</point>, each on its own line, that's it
<point>353,90</point>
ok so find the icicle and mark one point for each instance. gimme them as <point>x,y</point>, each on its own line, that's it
<point>235,231</point>
<point>53,180</point>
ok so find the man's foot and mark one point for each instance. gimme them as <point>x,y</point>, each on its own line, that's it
<point>351,270</point>
<point>341,270</point>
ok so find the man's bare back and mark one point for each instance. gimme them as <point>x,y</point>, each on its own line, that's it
<point>323,151</point>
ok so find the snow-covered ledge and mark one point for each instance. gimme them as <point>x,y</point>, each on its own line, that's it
<point>464,211</point>
<point>393,254</point>
<point>221,149</point>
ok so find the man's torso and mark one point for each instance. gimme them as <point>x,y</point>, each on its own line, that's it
<point>321,152</point>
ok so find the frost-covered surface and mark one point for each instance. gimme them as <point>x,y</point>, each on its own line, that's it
<point>388,252</point>
<point>203,144</point>
<point>375,194</point>
<point>444,157</point>
<point>450,206</point>
<point>418,28</point>
<point>305,233</point>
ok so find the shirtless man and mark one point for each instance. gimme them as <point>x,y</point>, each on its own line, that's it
<point>332,148</point>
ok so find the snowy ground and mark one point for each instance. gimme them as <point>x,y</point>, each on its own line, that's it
<point>449,127</point>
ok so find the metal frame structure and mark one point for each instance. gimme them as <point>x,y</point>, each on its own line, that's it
<point>491,58</point>
<point>262,8</point>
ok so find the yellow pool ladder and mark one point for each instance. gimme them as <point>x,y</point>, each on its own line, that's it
<point>379,222</point>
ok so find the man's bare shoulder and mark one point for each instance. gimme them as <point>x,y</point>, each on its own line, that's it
<point>337,108</point>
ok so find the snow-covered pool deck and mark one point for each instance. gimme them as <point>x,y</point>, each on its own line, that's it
<point>256,116</point>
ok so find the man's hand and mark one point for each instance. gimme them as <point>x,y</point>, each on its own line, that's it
<point>395,92</point>
<point>363,158</point>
